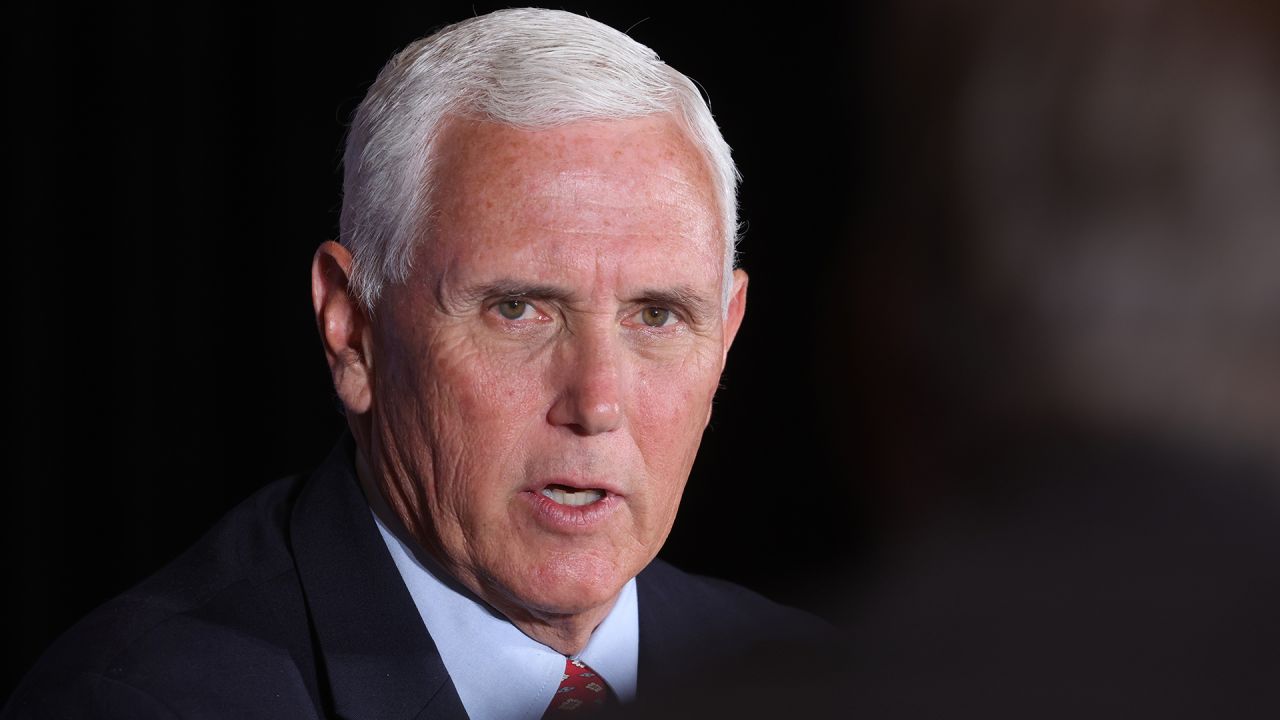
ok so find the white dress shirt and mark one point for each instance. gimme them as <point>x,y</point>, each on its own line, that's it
<point>499,672</point>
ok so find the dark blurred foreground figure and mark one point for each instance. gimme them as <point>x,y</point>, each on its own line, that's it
<point>1065,360</point>
<point>1076,293</point>
<point>526,322</point>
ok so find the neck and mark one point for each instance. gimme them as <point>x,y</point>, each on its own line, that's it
<point>567,634</point>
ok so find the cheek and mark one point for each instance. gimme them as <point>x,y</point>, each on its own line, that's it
<point>489,392</point>
<point>485,404</point>
<point>670,413</point>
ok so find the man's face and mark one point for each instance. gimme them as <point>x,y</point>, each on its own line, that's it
<point>542,380</point>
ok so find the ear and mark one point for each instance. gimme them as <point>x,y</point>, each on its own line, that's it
<point>344,327</point>
<point>737,308</point>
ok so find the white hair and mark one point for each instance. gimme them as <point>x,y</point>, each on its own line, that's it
<point>528,68</point>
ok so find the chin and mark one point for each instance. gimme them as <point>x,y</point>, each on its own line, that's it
<point>573,585</point>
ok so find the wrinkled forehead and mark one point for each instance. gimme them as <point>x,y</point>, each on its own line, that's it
<point>639,177</point>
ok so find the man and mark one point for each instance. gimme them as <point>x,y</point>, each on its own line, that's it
<point>526,321</point>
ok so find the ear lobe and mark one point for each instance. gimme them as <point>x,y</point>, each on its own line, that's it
<point>737,308</point>
<point>342,323</point>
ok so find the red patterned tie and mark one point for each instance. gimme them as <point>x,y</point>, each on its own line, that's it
<point>581,692</point>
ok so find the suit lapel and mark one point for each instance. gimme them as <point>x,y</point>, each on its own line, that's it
<point>374,652</point>
<point>664,630</point>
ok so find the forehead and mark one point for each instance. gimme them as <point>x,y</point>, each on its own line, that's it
<point>613,186</point>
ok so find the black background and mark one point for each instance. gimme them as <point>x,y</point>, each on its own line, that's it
<point>171,170</point>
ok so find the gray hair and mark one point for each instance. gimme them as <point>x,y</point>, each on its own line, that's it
<point>528,68</point>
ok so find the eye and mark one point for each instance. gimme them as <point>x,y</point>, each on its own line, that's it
<point>512,309</point>
<point>657,317</point>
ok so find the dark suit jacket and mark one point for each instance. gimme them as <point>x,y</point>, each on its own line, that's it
<point>291,607</point>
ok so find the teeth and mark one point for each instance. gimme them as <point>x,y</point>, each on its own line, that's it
<point>572,498</point>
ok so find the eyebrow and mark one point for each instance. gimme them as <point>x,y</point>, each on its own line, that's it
<point>507,287</point>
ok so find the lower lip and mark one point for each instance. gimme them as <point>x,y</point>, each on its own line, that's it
<point>570,518</point>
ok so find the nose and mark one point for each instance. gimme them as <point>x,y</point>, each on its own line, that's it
<point>590,388</point>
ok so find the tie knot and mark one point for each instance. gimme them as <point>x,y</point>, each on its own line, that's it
<point>582,691</point>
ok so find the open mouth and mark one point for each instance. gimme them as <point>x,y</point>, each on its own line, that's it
<point>573,497</point>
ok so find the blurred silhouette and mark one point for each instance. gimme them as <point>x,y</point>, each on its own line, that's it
<point>1067,338</point>
<point>1055,342</point>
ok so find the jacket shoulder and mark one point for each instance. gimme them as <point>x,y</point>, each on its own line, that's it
<point>717,602</point>
<point>699,615</point>
<point>226,613</point>
<point>711,648</point>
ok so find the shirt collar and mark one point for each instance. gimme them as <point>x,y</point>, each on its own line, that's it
<point>498,671</point>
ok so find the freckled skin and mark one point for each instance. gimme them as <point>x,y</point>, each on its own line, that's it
<point>470,409</point>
